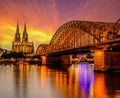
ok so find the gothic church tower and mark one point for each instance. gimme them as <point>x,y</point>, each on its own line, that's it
<point>17,35</point>
<point>25,35</point>
<point>22,45</point>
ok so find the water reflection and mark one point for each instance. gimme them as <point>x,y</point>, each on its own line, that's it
<point>78,81</point>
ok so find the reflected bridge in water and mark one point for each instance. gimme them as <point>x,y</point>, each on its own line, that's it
<point>77,81</point>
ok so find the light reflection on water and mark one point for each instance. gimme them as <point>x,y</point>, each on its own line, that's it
<point>78,81</point>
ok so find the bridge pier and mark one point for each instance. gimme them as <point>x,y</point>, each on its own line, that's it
<point>106,60</point>
<point>59,60</point>
<point>43,60</point>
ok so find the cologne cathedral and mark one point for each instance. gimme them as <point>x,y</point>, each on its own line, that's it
<point>22,45</point>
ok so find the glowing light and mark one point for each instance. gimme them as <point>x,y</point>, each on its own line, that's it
<point>98,53</point>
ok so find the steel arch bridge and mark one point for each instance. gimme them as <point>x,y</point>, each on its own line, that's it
<point>41,49</point>
<point>78,34</point>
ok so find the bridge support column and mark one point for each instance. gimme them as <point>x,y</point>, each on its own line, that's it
<point>104,61</point>
<point>60,60</point>
<point>43,60</point>
<point>66,59</point>
<point>99,60</point>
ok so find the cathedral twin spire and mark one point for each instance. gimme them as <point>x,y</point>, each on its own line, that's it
<point>21,44</point>
<point>24,36</point>
<point>17,35</point>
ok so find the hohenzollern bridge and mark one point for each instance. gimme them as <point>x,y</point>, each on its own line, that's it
<point>85,36</point>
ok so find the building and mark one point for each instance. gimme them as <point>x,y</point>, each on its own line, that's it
<point>22,44</point>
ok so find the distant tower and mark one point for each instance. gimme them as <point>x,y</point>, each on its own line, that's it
<point>17,34</point>
<point>25,35</point>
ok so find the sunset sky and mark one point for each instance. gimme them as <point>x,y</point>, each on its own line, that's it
<point>44,17</point>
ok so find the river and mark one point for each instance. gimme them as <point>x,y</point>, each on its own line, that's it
<point>76,81</point>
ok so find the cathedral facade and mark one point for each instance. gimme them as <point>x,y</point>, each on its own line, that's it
<point>22,44</point>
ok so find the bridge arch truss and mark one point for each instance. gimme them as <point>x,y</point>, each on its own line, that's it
<point>77,34</point>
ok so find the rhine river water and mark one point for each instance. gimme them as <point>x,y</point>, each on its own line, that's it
<point>77,81</point>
